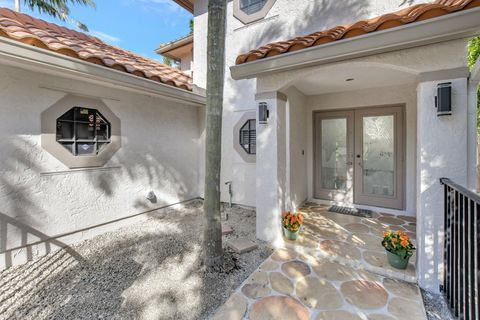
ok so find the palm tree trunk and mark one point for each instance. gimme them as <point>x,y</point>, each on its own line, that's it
<point>17,5</point>
<point>215,75</point>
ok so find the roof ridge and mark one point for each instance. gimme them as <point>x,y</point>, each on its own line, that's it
<point>47,35</point>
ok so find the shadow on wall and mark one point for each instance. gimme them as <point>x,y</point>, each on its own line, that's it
<point>31,202</point>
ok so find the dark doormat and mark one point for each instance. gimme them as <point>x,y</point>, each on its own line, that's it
<point>351,211</point>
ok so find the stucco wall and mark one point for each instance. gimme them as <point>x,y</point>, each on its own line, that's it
<point>286,19</point>
<point>442,149</point>
<point>405,94</point>
<point>297,191</point>
<point>40,197</point>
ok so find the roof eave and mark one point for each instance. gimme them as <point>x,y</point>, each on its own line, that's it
<point>186,4</point>
<point>457,25</point>
<point>25,56</point>
<point>164,50</point>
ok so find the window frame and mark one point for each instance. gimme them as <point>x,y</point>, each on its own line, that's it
<point>239,148</point>
<point>249,133</point>
<point>74,140</point>
<point>247,18</point>
<point>49,141</point>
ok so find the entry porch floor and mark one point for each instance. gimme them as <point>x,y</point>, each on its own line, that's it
<point>336,270</point>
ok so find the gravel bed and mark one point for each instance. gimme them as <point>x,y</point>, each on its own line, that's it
<point>436,306</point>
<point>150,270</point>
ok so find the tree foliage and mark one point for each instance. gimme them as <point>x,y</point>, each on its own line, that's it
<point>473,51</point>
<point>59,9</point>
<point>473,56</point>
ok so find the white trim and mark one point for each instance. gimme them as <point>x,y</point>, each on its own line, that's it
<point>455,73</point>
<point>18,54</point>
<point>462,24</point>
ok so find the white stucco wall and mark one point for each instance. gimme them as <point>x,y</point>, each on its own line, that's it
<point>285,20</point>
<point>442,149</point>
<point>297,149</point>
<point>40,197</point>
<point>403,95</point>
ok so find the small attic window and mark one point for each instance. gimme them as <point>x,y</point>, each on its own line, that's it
<point>83,131</point>
<point>248,11</point>
<point>252,6</point>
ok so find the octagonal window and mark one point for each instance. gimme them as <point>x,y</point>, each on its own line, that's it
<point>248,137</point>
<point>252,6</point>
<point>248,11</point>
<point>83,131</point>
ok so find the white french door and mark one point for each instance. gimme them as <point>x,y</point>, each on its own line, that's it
<point>359,156</point>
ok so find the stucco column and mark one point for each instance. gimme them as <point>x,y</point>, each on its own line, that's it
<point>441,152</point>
<point>271,168</point>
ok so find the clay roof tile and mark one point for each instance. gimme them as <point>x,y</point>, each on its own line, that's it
<point>407,15</point>
<point>33,31</point>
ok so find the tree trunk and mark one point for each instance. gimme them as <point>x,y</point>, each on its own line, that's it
<point>17,5</point>
<point>215,75</point>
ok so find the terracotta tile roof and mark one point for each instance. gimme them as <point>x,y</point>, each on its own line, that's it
<point>390,20</point>
<point>79,45</point>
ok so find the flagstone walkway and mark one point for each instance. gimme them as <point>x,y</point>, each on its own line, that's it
<point>336,270</point>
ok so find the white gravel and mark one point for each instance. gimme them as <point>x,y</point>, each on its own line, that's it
<point>150,270</point>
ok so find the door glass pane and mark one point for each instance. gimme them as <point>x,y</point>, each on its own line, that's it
<point>334,154</point>
<point>379,155</point>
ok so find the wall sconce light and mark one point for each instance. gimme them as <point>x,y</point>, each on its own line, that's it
<point>443,100</point>
<point>262,113</point>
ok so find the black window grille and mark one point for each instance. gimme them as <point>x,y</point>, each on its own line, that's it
<point>252,6</point>
<point>83,131</point>
<point>248,137</point>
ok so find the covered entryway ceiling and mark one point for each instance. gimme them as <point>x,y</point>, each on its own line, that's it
<point>348,78</point>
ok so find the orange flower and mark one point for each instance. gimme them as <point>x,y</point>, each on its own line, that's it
<point>394,241</point>
<point>294,219</point>
<point>386,233</point>
<point>300,218</point>
<point>404,243</point>
<point>284,214</point>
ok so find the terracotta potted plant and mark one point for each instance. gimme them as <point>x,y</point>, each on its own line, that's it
<point>292,223</point>
<point>399,248</point>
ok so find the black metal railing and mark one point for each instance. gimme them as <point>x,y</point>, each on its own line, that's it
<point>461,245</point>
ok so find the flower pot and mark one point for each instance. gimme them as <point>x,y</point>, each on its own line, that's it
<point>397,261</point>
<point>290,235</point>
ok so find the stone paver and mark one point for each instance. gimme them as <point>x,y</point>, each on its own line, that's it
<point>364,294</point>
<point>337,269</point>
<point>281,283</point>
<point>296,269</point>
<point>318,293</point>
<point>337,315</point>
<point>241,245</point>
<point>233,309</point>
<point>278,307</point>
<point>226,229</point>
<point>255,290</point>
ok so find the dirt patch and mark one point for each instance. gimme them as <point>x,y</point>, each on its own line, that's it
<point>149,270</point>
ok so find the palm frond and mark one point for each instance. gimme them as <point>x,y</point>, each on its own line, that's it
<point>59,9</point>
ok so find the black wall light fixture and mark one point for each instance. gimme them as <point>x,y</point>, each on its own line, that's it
<point>263,113</point>
<point>443,100</point>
